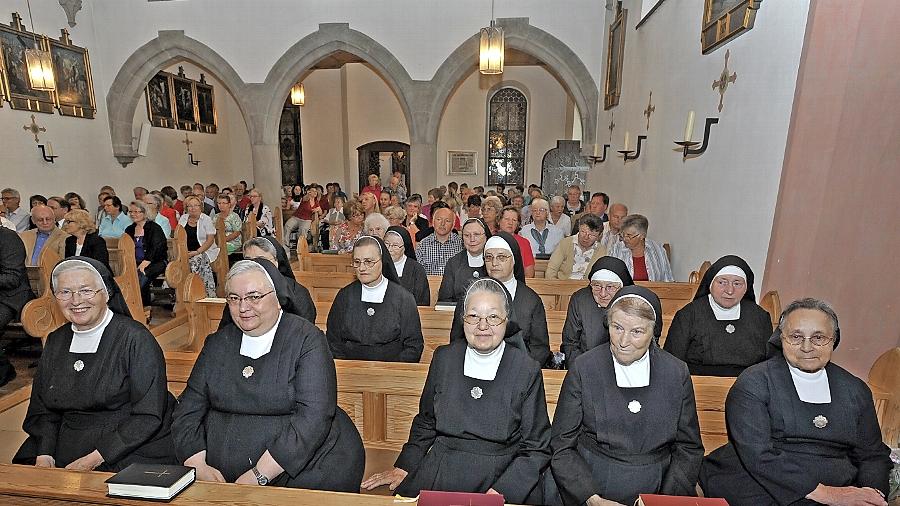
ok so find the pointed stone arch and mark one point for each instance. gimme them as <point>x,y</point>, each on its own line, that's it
<point>169,47</point>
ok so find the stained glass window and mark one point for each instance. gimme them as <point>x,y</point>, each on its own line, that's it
<point>290,147</point>
<point>507,120</point>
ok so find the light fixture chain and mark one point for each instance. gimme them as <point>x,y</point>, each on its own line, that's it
<point>31,19</point>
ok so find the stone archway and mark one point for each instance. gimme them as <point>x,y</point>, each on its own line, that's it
<point>128,86</point>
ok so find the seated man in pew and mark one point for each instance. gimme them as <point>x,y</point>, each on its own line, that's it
<point>575,254</point>
<point>482,424</point>
<point>801,429</point>
<point>260,405</point>
<point>722,331</point>
<point>15,290</point>
<point>374,317</point>
<point>99,397</point>
<point>45,235</point>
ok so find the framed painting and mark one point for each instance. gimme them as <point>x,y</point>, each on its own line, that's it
<point>615,56</point>
<point>14,40</point>
<point>185,97</point>
<point>160,105</point>
<point>462,163</point>
<point>206,107</point>
<point>724,20</point>
<point>74,85</point>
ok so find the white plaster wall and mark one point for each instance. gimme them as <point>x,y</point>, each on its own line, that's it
<point>463,126</point>
<point>320,127</point>
<point>724,201</point>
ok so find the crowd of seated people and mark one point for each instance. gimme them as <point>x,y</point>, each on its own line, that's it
<point>260,407</point>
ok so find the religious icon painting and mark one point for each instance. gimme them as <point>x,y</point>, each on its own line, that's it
<point>724,20</point>
<point>160,106</point>
<point>74,85</point>
<point>206,107</point>
<point>185,95</point>
<point>615,57</point>
<point>14,40</point>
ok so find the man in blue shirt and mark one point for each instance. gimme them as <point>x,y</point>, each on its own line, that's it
<point>114,221</point>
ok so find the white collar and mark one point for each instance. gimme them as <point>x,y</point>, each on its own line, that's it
<point>811,387</point>
<point>634,375</point>
<point>723,314</point>
<point>483,366</point>
<point>374,293</point>
<point>87,341</point>
<point>476,261</point>
<point>398,265</point>
<point>257,346</point>
<point>511,286</point>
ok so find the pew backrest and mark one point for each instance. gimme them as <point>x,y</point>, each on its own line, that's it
<point>220,264</point>
<point>884,379</point>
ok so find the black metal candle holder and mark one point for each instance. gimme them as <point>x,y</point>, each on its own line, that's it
<point>599,159</point>
<point>191,158</point>
<point>627,153</point>
<point>689,145</point>
<point>47,158</point>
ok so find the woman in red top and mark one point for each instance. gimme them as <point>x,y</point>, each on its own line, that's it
<point>509,223</point>
<point>374,187</point>
<point>308,210</point>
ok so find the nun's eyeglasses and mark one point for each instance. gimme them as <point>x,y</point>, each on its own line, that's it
<point>83,294</point>
<point>368,263</point>
<point>600,287</point>
<point>817,340</point>
<point>492,320</point>
<point>253,298</point>
<point>501,259</point>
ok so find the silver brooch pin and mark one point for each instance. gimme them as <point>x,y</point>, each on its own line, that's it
<point>370,312</point>
<point>475,274</point>
<point>634,406</point>
<point>820,422</point>
<point>248,371</point>
<point>79,365</point>
<point>729,328</point>
<point>476,393</point>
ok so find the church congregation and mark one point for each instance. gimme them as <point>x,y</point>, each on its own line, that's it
<point>454,277</point>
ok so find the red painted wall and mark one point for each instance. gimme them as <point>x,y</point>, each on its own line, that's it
<point>836,232</point>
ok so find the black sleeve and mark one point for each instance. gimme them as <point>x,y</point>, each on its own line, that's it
<point>572,333</point>
<point>572,474</point>
<point>422,291</point>
<point>870,455</point>
<point>678,340</point>
<point>539,340</point>
<point>12,261</point>
<point>422,432</point>
<point>448,281</point>
<point>335,325</point>
<point>687,449</point>
<point>304,303</point>
<point>410,327</point>
<point>456,328</point>
<point>156,248</point>
<point>41,423</point>
<point>99,251</point>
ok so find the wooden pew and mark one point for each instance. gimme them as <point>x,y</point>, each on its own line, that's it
<point>249,230</point>
<point>220,264</point>
<point>884,380</point>
<point>278,217</point>
<point>178,268</point>
<point>540,268</point>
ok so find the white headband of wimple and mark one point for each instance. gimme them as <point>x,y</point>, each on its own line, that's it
<point>636,296</point>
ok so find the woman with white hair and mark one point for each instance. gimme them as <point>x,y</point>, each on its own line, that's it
<point>646,259</point>
<point>558,218</point>
<point>541,234</point>
<point>260,407</point>
<point>376,225</point>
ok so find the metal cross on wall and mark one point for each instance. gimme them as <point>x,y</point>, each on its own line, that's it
<point>612,125</point>
<point>649,110</point>
<point>187,142</point>
<point>721,85</point>
<point>34,129</point>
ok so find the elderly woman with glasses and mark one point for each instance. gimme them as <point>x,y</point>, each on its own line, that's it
<point>83,239</point>
<point>201,241</point>
<point>260,407</point>
<point>410,272</point>
<point>99,398</point>
<point>467,266</point>
<point>374,317</point>
<point>150,248</point>
<point>801,429</point>
<point>646,259</point>
<point>482,424</point>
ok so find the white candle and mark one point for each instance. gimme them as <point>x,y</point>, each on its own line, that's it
<point>627,140</point>
<point>50,148</point>
<point>689,127</point>
<point>596,149</point>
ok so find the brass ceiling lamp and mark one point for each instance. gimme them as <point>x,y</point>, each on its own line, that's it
<point>40,67</point>
<point>492,47</point>
<point>298,94</point>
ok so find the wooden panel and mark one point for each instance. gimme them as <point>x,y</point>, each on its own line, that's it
<point>884,378</point>
<point>352,403</point>
<point>401,409</point>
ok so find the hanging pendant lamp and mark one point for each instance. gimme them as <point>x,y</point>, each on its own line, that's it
<point>491,49</point>
<point>40,67</point>
<point>298,94</point>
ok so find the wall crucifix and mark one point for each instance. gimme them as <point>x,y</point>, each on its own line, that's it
<point>34,129</point>
<point>612,125</point>
<point>721,85</point>
<point>187,142</point>
<point>649,110</point>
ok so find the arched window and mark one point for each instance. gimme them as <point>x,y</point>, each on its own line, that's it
<point>507,118</point>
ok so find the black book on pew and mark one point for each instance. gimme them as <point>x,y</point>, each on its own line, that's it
<point>150,481</point>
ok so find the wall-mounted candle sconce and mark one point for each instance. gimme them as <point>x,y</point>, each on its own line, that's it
<point>47,152</point>
<point>191,159</point>
<point>687,144</point>
<point>596,158</point>
<point>632,154</point>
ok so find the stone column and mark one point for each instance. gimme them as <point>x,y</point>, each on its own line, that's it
<point>267,172</point>
<point>423,165</point>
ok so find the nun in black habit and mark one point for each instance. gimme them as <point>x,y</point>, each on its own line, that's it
<point>801,430</point>
<point>505,265</point>
<point>585,326</point>
<point>467,266</point>
<point>626,422</point>
<point>292,296</point>
<point>260,405</point>
<point>411,273</point>
<point>99,398</point>
<point>482,424</point>
<point>722,331</point>
<point>374,317</point>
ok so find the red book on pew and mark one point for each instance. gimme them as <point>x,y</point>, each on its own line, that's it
<point>433,498</point>
<point>675,500</point>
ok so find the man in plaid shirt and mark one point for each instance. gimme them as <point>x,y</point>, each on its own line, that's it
<point>434,251</point>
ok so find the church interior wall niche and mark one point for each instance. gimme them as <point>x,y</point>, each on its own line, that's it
<point>74,83</point>
<point>615,57</point>
<point>724,20</point>
<point>14,40</point>
<point>176,101</point>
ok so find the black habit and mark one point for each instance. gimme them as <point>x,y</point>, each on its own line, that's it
<point>413,278</point>
<point>236,408</point>
<point>117,402</point>
<point>600,446</point>
<point>498,440</point>
<point>585,326</point>
<point>457,278</point>
<point>777,455</point>
<point>706,344</point>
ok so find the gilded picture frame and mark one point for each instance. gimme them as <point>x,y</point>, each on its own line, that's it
<point>206,107</point>
<point>723,20</point>
<point>184,96</point>
<point>74,83</point>
<point>615,56</point>
<point>160,102</point>
<point>462,163</point>
<point>14,40</point>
